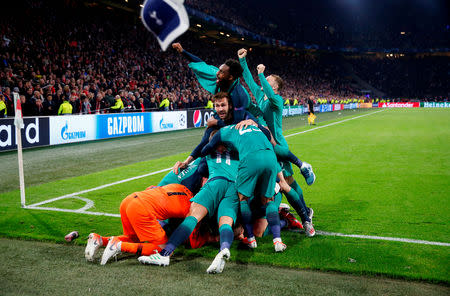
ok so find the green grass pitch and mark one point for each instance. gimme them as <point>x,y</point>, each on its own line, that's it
<point>385,174</point>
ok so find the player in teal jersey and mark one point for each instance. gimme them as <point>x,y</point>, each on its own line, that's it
<point>257,171</point>
<point>219,196</point>
<point>190,176</point>
<point>271,104</point>
<point>222,79</point>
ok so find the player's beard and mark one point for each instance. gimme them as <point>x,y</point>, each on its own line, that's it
<point>224,85</point>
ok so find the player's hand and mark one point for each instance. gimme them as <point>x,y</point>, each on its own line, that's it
<point>211,122</point>
<point>242,53</point>
<point>244,124</point>
<point>260,68</point>
<point>178,166</point>
<point>177,46</point>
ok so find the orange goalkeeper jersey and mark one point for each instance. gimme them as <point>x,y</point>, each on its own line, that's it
<point>169,201</point>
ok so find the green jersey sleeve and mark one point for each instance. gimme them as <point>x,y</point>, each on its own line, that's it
<point>275,100</point>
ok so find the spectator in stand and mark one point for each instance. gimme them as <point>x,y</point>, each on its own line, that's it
<point>26,108</point>
<point>141,105</point>
<point>118,106</point>
<point>164,105</point>
<point>109,98</point>
<point>75,101</point>
<point>65,108</point>
<point>135,102</point>
<point>50,107</point>
<point>100,105</point>
<point>3,111</point>
<point>38,108</point>
<point>86,106</point>
<point>209,105</point>
<point>153,106</point>
<point>9,101</point>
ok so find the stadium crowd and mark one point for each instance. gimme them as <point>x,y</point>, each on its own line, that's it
<point>89,63</point>
<point>90,57</point>
<point>280,20</point>
<point>399,75</point>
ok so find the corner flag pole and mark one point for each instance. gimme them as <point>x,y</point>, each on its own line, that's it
<point>18,122</point>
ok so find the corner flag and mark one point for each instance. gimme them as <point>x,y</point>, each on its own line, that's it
<point>18,122</point>
<point>18,118</point>
<point>166,19</point>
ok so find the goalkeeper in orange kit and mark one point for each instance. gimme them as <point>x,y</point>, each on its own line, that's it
<point>140,213</point>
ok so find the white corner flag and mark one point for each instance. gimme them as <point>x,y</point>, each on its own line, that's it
<point>18,118</point>
<point>166,19</point>
<point>18,122</point>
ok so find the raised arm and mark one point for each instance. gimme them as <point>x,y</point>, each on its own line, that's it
<point>254,87</point>
<point>275,99</point>
<point>186,54</point>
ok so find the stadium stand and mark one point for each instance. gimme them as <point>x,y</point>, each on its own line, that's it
<point>92,54</point>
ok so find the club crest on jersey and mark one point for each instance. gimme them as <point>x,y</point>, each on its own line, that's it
<point>166,19</point>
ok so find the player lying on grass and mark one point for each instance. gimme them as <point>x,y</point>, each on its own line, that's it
<point>140,213</point>
<point>271,104</point>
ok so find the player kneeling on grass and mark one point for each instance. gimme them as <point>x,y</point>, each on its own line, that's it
<point>217,195</point>
<point>257,170</point>
<point>140,213</point>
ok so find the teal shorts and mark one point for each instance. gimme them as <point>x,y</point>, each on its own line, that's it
<point>257,170</point>
<point>218,195</point>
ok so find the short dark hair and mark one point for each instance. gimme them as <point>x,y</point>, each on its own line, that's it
<point>235,68</point>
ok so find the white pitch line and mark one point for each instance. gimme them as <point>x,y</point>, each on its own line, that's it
<point>384,238</point>
<point>164,170</point>
<point>72,211</point>
<point>36,206</point>
<point>318,232</point>
<point>334,123</point>
<point>97,188</point>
